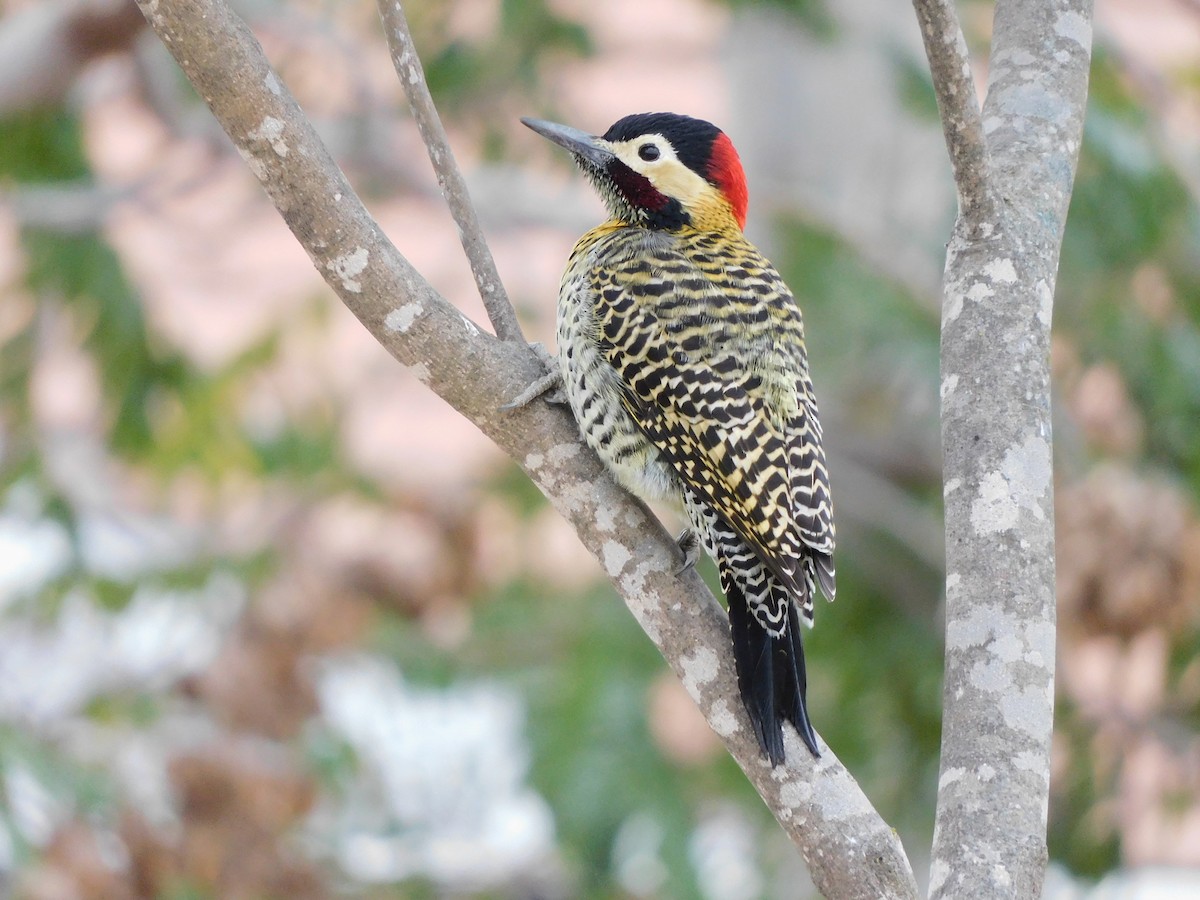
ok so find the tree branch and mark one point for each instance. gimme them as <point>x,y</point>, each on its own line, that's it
<point>990,828</point>
<point>954,86</point>
<point>851,852</point>
<point>454,188</point>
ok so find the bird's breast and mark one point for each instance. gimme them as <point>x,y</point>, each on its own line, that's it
<point>593,386</point>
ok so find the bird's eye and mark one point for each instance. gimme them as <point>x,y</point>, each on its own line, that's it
<point>648,152</point>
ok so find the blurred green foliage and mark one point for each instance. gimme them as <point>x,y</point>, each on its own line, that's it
<point>812,15</point>
<point>1132,211</point>
<point>1133,216</point>
<point>469,79</point>
<point>82,272</point>
<point>528,35</point>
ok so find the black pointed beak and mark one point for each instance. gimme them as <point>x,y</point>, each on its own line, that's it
<point>587,147</point>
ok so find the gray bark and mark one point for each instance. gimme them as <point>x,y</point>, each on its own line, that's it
<point>450,180</point>
<point>850,851</point>
<point>1014,164</point>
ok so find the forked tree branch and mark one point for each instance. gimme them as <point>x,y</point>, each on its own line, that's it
<point>962,123</point>
<point>1001,265</point>
<point>454,187</point>
<point>850,851</point>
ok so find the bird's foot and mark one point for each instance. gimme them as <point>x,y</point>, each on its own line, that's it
<point>689,546</point>
<point>550,385</point>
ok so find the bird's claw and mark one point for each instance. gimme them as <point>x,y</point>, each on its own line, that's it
<point>549,384</point>
<point>689,546</point>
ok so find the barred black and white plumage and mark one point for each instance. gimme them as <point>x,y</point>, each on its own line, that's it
<point>683,358</point>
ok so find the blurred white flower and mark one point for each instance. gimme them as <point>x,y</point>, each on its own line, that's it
<point>442,790</point>
<point>35,812</point>
<point>724,851</point>
<point>48,673</point>
<point>32,549</point>
<point>637,856</point>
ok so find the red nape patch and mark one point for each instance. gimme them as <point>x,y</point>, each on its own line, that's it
<point>725,168</point>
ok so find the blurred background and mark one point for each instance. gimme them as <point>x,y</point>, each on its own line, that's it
<point>276,622</point>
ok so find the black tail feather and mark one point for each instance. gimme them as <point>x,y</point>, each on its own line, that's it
<point>771,676</point>
<point>798,681</point>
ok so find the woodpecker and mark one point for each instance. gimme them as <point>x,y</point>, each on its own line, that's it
<point>682,357</point>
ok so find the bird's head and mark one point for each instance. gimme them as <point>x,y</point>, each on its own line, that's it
<point>660,170</point>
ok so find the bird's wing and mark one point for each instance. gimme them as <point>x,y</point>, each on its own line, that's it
<point>811,501</point>
<point>712,369</point>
